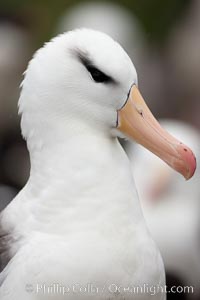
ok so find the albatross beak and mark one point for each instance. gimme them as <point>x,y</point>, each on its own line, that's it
<point>136,121</point>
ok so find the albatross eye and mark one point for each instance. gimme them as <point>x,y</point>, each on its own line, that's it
<point>97,75</point>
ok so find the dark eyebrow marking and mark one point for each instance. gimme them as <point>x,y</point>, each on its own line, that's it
<point>90,65</point>
<point>84,58</point>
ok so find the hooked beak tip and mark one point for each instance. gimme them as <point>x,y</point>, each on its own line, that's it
<point>190,161</point>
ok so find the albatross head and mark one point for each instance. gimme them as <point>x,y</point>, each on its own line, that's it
<point>83,79</point>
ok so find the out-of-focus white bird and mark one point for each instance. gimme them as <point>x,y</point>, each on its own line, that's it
<point>78,219</point>
<point>171,206</point>
<point>113,19</point>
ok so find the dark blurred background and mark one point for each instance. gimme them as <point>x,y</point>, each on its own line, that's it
<point>161,37</point>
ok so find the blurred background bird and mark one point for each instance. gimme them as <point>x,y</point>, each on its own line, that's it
<point>171,206</point>
<point>163,41</point>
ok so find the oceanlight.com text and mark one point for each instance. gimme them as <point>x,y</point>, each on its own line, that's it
<point>113,288</point>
